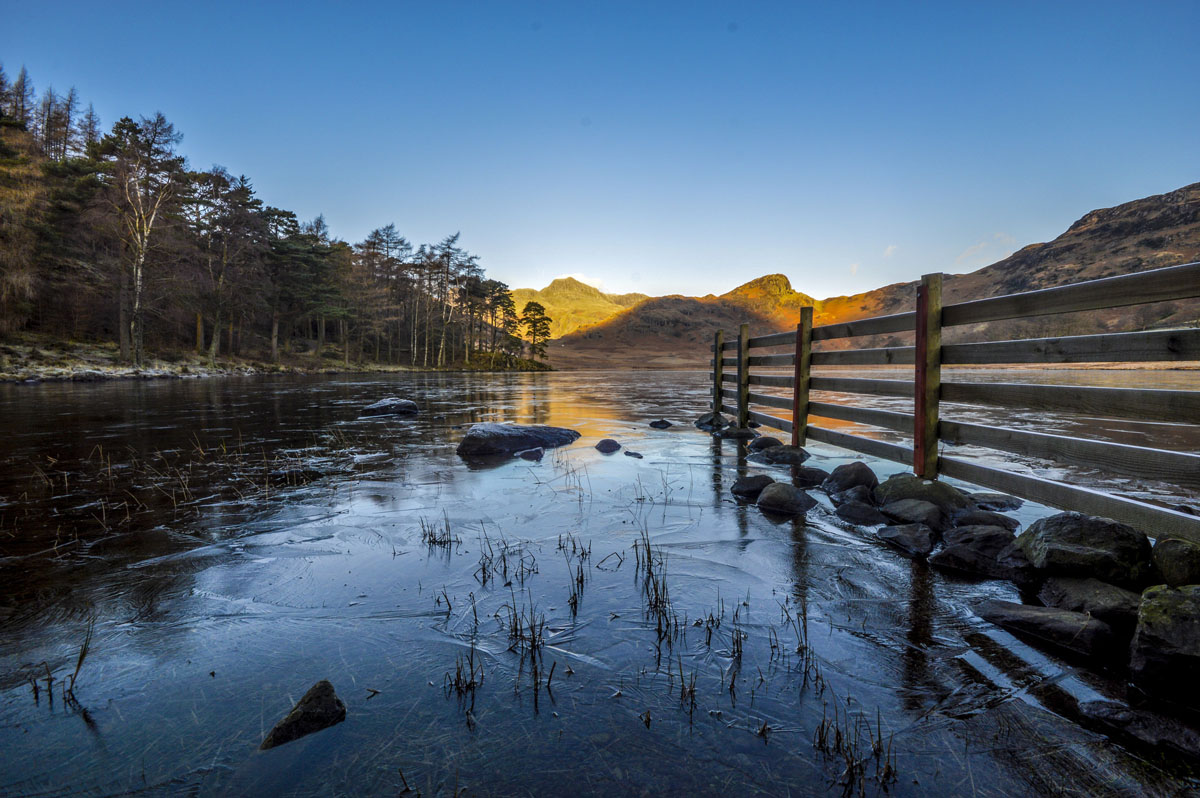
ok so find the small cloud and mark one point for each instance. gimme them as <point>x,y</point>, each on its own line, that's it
<point>989,250</point>
<point>854,268</point>
<point>890,250</point>
<point>594,282</point>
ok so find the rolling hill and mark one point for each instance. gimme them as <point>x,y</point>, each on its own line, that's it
<point>676,331</point>
<point>571,304</point>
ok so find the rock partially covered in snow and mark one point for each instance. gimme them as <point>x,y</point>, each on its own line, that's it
<point>318,709</point>
<point>488,439</point>
<point>392,406</point>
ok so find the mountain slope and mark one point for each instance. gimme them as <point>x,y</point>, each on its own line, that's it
<point>1149,233</point>
<point>571,304</point>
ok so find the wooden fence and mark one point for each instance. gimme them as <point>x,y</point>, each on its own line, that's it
<point>926,427</point>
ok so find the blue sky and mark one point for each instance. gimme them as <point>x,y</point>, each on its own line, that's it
<point>660,147</point>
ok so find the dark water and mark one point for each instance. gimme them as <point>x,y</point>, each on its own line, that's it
<point>232,541</point>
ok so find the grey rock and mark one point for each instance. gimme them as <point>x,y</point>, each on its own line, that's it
<point>916,511</point>
<point>861,513</point>
<point>608,446</point>
<point>915,540</point>
<point>318,709</point>
<point>749,487</point>
<point>483,440</point>
<point>1165,655</point>
<point>783,455</point>
<point>713,421</point>
<point>979,551</point>
<point>1114,605</point>
<point>765,442</point>
<point>807,476</point>
<point>662,423</point>
<point>1178,561</point>
<point>736,433</point>
<point>532,454</point>
<point>986,518</point>
<point>850,475</point>
<point>634,455</point>
<point>1063,630</point>
<point>1073,544</point>
<point>996,502</point>
<point>859,493</point>
<point>906,486</point>
<point>1148,728</point>
<point>391,406</point>
<point>784,499</point>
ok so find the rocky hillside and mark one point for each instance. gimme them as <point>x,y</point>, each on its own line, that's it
<point>571,304</point>
<point>675,331</point>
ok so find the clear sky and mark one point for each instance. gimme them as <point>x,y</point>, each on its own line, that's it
<point>659,147</point>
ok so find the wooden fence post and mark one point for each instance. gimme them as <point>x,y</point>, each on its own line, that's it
<point>743,350</point>
<point>800,381</point>
<point>718,371</point>
<point>927,376</point>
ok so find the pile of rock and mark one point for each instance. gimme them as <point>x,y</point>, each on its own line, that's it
<point>1105,592</point>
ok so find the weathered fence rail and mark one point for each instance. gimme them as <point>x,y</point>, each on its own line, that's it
<point>926,427</point>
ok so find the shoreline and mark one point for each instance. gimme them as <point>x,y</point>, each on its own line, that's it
<point>31,361</point>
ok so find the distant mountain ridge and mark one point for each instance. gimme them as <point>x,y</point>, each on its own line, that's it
<point>572,304</point>
<point>675,331</point>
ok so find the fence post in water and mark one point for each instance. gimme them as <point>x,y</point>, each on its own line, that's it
<point>718,370</point>
<point>927,376</point>
<point>800,381</point>
<point>743,383</point>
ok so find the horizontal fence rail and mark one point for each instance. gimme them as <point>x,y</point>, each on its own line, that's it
<point>929,431</point>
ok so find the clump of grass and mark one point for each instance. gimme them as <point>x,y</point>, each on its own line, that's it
<point>849,735</point>
<point>438,534</point>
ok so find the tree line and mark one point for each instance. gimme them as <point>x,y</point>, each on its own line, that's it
<point>109,234</point>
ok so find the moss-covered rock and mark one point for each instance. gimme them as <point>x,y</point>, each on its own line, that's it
<point>1165,655</point>
<point>1178,561</point>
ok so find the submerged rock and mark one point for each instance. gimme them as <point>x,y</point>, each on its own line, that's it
<point>1178,561</point>
<point>807,476</point>
<point>898,487</point>
<point>916,511</point>
<point>996,502</point>
<point>915,540</point>
<point>859,493</point>
<point>713,421</point>
<point>1148,728</point>
<point>1114,605</point>
<point>784,499</point>
<point>1071,632</point>
<point>608,446</point>
<point>391,406</point>
<point>986,518</point>
<point>662,423</point>
<point>489,439</point>
<point>765,442</point>
<point>736,433</point>
<point>532,454</point>
<point>318,709</point>
<point>861,513</point>
<point>1073,544</point>
<point>850,475</point>
<point>982,551</point>
<point>780,455</point>
<point>1166,645</point>
<point>749,487</point>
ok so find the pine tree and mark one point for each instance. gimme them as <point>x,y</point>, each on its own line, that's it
<point>537,327</point>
